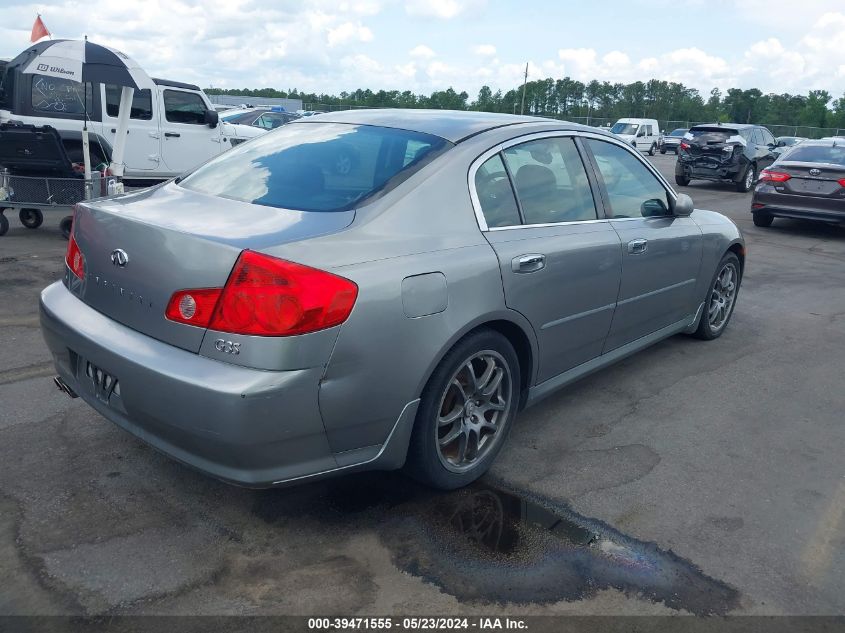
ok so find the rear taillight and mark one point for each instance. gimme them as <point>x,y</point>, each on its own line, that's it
<point>265,296</point>
<point>842,182</point>
<point>74,258</point>
<point>773,176</point>
<point>194,307</point>
<point>684,145</point>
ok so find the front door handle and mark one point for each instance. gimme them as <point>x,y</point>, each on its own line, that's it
<point>528,263</point>
<point>635,247</point>
<point>172,135</point>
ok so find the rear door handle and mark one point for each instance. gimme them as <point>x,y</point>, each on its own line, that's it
<point>635,247</point>
<point>172,135</point>
<point>528,263</point>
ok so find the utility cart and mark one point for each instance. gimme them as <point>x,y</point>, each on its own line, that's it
<point>36,175</point>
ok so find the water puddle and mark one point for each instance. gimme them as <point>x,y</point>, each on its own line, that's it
<point>488,543</point>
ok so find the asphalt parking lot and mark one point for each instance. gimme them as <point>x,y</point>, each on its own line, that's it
<point>693,478</point>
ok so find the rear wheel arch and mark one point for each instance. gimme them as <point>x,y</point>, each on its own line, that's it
<point>520,335</point>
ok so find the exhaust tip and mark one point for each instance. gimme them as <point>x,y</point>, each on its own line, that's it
<point>63,387</point>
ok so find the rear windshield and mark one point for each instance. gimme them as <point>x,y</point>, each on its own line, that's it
<point>316,166</point>
<point>705,136</point>
<point>817,154</point>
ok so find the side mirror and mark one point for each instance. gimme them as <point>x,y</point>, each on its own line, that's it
<point>212,118</point>
<point>781,144</point>
<point>683,206</point>
<point>654,208</point>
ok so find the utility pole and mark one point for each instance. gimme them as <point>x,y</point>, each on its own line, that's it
<point>524,82</point>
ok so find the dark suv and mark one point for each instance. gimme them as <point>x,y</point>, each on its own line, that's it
<point>725,152</point>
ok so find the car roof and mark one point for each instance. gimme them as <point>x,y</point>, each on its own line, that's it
<point>732,126</point>
<point>452,125</point>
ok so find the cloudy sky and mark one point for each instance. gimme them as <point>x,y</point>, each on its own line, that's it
<point>423,45</point>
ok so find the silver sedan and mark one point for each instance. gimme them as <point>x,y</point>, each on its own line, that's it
<point>267,319</point>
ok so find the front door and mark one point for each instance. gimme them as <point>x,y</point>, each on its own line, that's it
<point>187,141</point>
<point>560,263</point>
<point>143,150</point>
<point>661,253</point>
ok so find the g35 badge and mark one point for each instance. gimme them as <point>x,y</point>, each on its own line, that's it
<point>227,347</point>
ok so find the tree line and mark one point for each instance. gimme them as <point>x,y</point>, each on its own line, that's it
<point>569,98</point>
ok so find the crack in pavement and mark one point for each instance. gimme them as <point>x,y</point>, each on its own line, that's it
<point>19,374</point>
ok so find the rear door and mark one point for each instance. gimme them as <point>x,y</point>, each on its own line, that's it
<point>187,141</point>
<point>661,253</point>
<point>560,261</point>
<point>143,146</point>
<point>766,149</point>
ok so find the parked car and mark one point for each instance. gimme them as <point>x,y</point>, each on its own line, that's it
<point>725,152</point>
<point>266,321</point>
<point>264,118</point>
<point>783,143</point>
<point>672,140</point>
<point>173,127</point>
<point>642,134</point>
<point>808,182</point>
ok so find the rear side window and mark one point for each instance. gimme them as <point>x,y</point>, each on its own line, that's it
<point>816,154</point>
<point>50,94</point>
<point>633,191</point>
<point>493,188</point>
<point>550,181</point>
<point>142,103</point>
<point>184,107</point>
<point>316,166</point>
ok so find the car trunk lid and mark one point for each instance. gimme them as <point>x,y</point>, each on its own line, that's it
<point>811,179</point>
<point>174,239</point>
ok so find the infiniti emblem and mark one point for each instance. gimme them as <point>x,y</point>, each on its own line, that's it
<point>815,172</point>
<point>119,257</point>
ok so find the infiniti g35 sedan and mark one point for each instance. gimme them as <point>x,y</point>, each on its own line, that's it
<point>268,320</point>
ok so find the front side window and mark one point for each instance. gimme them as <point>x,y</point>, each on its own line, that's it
<point>550,181</point>
<point>633,191</point>
<point>184,107</point>
<point>316,166</point>
<point>53,95</point>
<point>142,103</point>
<point>495,194</point>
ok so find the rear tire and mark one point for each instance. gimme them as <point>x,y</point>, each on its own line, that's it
<point>682,180</point>
<point>4,223</point>
<point>763,219</point>
<point>721,299</point>
<point>457,403</point>
<point>31,218</point>
<point>66,225</point>
<point>652,150</point>
<point>749,177</point>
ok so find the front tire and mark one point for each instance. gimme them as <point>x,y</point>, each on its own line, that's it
<point>721,299</point>
<point>682,180</point>
<point>465,413</point>
<point>662,150</point>
<point>4,223</point>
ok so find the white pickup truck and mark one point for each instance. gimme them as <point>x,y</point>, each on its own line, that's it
<point>173,127</point>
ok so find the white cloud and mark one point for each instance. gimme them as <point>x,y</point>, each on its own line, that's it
<point>347,32</point>
<point>443,9</point>
<point>485,50</point>
<point>422,51</point>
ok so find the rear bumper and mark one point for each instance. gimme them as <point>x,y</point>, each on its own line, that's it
<point>246,426</point>
<point>822,215</point>
<point>710,168</point>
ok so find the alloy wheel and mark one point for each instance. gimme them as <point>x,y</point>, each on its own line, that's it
<point>473,410</point>
<point>722,296</point>
<point>749,178</point>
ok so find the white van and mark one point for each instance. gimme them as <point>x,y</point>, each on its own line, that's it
<point>172,129</point>
<point>643,134</point>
